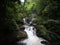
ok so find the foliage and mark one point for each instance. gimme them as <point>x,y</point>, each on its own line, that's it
<point>49,18</point>
<point>46,12</point>
<point>8,25</point>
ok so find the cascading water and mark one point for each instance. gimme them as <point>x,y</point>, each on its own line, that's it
<point>32,37</point>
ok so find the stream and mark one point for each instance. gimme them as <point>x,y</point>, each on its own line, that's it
<point>32,39</point>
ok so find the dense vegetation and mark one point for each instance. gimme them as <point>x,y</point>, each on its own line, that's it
<point>46,12</point>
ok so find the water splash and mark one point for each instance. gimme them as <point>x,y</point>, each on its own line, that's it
<point>32,39</point>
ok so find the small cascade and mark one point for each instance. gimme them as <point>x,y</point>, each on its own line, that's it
<point>32,39</point>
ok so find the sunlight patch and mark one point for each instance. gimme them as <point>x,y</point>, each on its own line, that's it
<point>22,0</point>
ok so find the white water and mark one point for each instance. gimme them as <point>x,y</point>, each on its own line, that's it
<point>32,38</point>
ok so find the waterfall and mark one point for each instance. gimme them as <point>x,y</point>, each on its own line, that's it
<point>32,39</point>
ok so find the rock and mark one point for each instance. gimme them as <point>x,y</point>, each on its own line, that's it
<point>22,35</point>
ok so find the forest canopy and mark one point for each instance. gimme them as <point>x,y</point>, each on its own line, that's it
<point>46,12</point>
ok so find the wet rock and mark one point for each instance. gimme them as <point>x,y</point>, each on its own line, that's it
<point>22,35</point>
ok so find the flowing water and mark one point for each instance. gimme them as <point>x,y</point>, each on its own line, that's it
<point>32,39</point>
